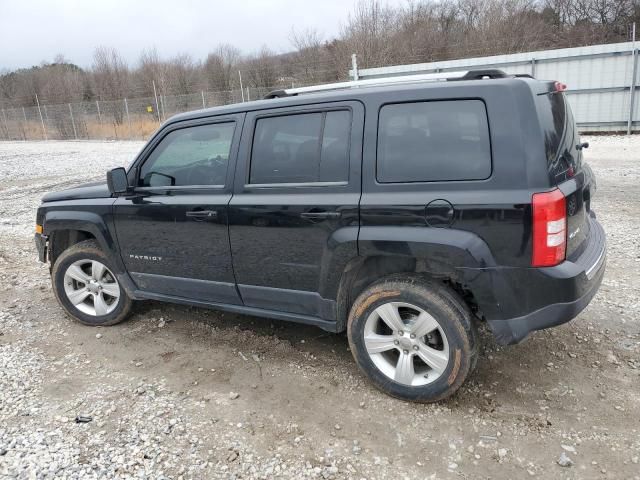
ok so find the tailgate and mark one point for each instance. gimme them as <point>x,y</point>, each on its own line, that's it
<point>566,167</point>
<point>578,199</point>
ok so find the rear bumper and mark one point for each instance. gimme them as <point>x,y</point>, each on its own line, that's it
<point>541,298</point>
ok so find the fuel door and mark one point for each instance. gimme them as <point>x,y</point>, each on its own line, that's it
<point>439,214</point>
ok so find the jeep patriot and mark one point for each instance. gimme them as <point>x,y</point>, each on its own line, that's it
<point>405,211</point>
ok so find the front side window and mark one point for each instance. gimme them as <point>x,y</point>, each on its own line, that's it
<point>301,148</point>
<point>433,141</point>
<point>190,156</point>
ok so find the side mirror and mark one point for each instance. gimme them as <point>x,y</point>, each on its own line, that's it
<point>117,181</point>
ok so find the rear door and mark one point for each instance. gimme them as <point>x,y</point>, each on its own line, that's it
<point>565,166</point>
<point>293,219</point>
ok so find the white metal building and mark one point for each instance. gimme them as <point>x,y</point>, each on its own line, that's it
<point>600,79</point>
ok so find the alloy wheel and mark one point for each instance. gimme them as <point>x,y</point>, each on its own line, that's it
<point>91,287</point>
<point>406,343</point>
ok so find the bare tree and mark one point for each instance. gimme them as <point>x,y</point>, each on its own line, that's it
<point>262,69</point>
<point>220,71</point>
<point>111,79</point>
<point>368,32</point>
<point>151,71</point>
<point>418,31</point>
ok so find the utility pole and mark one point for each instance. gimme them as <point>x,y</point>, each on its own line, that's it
<point>241,88</point>
<point>44,130</point>
<point>203,104</point>
<point>634,69</point>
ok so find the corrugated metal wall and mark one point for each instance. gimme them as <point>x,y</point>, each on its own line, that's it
<point>599,79</point>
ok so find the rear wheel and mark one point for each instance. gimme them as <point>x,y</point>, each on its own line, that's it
<point>413,338</point>
<point>86,287</point>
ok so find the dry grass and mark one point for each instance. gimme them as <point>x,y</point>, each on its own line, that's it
<point>87,129</point>
<point>140,129</point>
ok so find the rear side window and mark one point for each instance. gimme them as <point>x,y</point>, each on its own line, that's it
<point>301,148</point>
<point>433,141</point>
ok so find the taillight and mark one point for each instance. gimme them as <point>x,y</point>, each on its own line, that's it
<point>549,228</point>
<point>559,86</point>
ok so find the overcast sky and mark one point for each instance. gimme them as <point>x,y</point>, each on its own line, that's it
<point>35,30</point>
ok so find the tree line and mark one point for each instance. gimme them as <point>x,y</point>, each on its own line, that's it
<point>419,31</point>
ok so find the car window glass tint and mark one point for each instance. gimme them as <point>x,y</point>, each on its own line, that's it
<point>190,156</point>
<point>334,161</point>
<point>433,141</point>
<point>301,148</point>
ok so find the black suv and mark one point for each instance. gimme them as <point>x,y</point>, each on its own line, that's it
<point>405,211</point>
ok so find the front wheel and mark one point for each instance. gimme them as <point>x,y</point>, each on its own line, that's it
<point>413,338</point>
<point>86,287</point>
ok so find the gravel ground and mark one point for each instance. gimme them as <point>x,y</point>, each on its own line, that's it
<point>179,392</point>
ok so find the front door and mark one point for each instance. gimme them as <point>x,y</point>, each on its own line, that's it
<point>293,219</point>
<point>173,230</point>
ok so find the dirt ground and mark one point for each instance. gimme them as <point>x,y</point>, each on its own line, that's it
<point>179,392</point>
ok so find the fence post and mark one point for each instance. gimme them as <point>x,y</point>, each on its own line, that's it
<point>24,125</point>
<point>162,107</point>
<point>155,94</point>
<point>44,130</point>
<point>354,67</point>
<point>632,87</point>
<point>73,123</point>
<point>126,109</point>
<point>533,67</point>
<point>99,114</point>
<point>241,87</point>
<point>248,97</point>
<point>203,104</point>
<point>6,125</point>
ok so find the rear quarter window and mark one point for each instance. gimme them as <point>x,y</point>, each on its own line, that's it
<point>433,141</point>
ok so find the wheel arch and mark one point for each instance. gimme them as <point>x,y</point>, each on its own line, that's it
<point>66,228</point>
<point>443,255</point>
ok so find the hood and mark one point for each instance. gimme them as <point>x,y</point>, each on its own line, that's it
<point>88,190</point>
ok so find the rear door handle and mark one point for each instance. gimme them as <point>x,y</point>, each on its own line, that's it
<point>200,215</point>
<point>320,215</point>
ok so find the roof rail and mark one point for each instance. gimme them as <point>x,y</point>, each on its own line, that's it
<point>424,77</point>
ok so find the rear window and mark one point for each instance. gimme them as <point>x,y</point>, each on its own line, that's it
<point>433,141</point>
<point>560,136</point>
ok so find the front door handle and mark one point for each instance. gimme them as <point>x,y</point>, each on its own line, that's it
<point>200,215</point>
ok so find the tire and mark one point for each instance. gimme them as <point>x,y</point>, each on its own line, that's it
<point>418,367</point>
<point>100,302</point>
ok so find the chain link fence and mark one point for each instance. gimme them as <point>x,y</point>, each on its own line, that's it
<point>126,119</point>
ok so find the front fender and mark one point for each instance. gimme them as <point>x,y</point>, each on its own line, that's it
<point>99,225</point>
